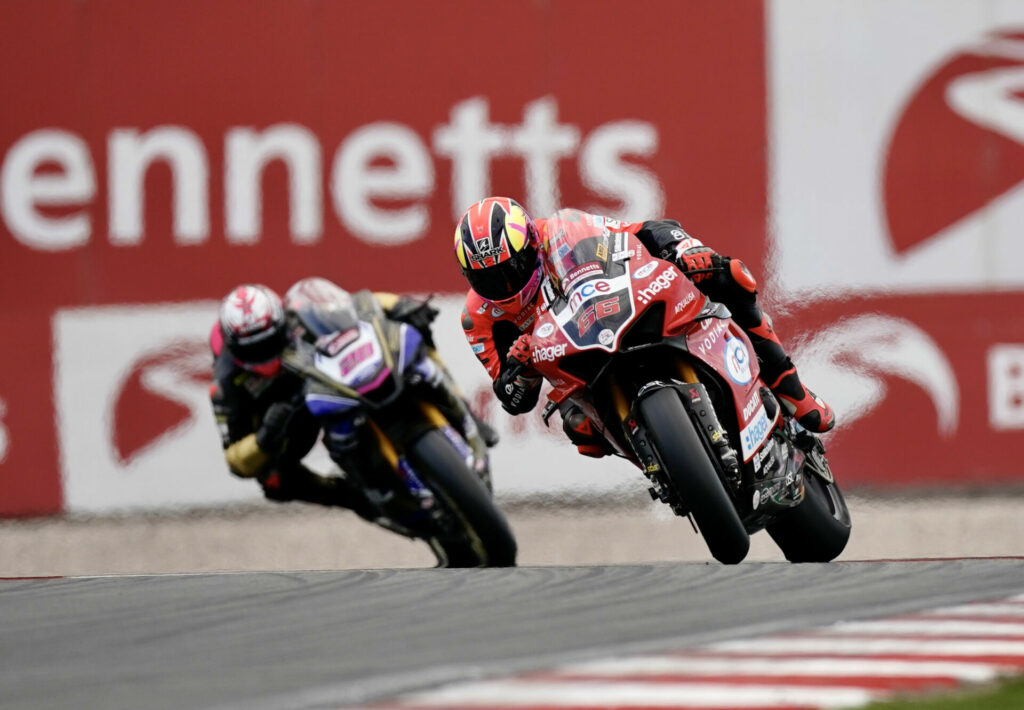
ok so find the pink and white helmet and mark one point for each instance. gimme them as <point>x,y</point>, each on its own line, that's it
<point>252,323</point>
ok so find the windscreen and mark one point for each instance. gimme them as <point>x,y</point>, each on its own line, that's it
<point>588,266</point>
<point>579,245</point>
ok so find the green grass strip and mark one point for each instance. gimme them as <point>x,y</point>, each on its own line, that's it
<point>1008,695</point>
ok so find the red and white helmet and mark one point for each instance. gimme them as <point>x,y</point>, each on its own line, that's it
<point>497,246</point>
<point>253,326</point>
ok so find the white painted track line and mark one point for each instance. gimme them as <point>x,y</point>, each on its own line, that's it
<point>928,627</point>
<point>844,665</point>
<point>697,666</point>
<point>839,645</point>
<point>595,694</point>
<point>1001,609</point>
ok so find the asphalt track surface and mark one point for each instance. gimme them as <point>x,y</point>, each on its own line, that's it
<point>327,639</point>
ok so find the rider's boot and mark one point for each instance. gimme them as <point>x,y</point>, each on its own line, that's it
<point>297,482</point>
<point>809,409</point>
<point>779,372</point>
<point>735,286</point>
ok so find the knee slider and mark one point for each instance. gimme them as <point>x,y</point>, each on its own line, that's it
<point>273,487</point>
<point>577,426</point>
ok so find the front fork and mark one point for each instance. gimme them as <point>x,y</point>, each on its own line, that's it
<point>421,496</point>
<point>697,403</point>
<point>401,466</point>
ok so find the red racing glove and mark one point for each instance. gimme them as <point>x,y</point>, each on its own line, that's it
<point>699,260</point>
<point>520,350</point>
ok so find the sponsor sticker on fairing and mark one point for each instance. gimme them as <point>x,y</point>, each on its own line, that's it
<point>645,270</point>
<point>591,289</point>
<point>332,343</point>
<point>686,301</point>
<point>737,360</point>
<point>545,330</point>
<point>580,272</point>
<point>754,433</point>
<point>765,456</point>
<point>755,399</point>
<point>548,354</point>
<point>664,280</point>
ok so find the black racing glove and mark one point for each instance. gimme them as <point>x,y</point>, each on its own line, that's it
<point>418,314</point>
<point>517,388</point>
<point>274,427</point>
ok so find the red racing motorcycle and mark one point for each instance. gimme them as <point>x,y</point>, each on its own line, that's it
<point>672,384</point>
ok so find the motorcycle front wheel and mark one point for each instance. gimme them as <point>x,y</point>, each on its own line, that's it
<point>690,472</point>
<point>478,534</point>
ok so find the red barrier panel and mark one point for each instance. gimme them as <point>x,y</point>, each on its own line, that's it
<point>897,202</point>
<point>157,153</point>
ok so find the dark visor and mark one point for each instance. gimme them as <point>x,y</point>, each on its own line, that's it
<point>261,350</point>
<point>504,280</point>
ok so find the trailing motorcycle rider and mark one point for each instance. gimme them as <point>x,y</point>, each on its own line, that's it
<point>315,305</point>
<point>265,429</point>
<point>497,246</point>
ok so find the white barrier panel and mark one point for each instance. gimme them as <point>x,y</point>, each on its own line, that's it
<point>137,432</point>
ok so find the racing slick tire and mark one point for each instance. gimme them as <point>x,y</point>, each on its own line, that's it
<point>478,534</point>
<point>692,475</point>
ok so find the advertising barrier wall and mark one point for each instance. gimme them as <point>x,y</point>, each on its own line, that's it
<point>897,201</point>
<point>154,155</point>
<point>864,160</point>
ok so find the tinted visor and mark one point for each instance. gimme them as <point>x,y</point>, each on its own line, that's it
<point>504,280</point>
<point>260,350</point>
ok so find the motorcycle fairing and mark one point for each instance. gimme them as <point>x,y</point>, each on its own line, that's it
<point>594,313</point>
<point>360,365</point>
<point>722,344</point>
<point>410,340</point>
<point>323,404</point>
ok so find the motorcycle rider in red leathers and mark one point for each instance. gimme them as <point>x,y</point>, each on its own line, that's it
<point>497,246</point>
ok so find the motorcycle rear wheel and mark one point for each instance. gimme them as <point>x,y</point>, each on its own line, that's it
<point>693,477</point>
<point>485,538</point>
<point>818,529</point>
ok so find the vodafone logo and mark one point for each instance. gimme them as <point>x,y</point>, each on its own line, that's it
<point>151,404</point>
<point>959,142</point>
